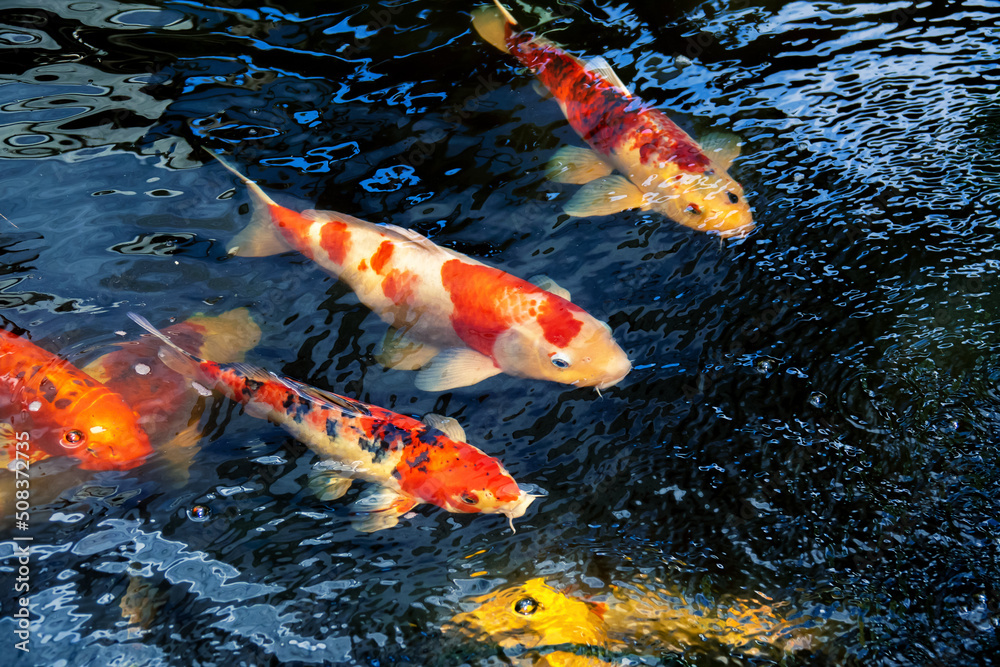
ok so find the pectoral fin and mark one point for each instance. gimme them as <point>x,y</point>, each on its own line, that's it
<point>447,425</point>
<point>540,88</point>
<point>227,336</point>
<point>456,367</point>
<point>380,508</point>
<point>141,603</point>
<point>572,164</point>
<point>401,352</point>
<point>179,452</point>
<point>328,484</point>
<point>721,147</point>
<point>598,65</point>
<point>542,281</point>
<point>605,196</point>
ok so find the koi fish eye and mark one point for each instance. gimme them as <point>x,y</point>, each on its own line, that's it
<point>693,209</point>
<point>560,360</point>
<point>73,438</point>
<point>469,498</point>
<point>733,197</point>
<point>526,606</point>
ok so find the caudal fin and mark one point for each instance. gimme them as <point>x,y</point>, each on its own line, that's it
<point>492,24</point>
<point>260,238</point>
<point>227,337</point>
<point>174,356</point>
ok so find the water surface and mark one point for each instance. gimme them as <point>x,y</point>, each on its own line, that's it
<point>812,414</point>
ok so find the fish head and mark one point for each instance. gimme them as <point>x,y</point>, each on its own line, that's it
<point>532,614</point>
<point>709,201</point>
<point>105,435</point>
<point>462,478</point>
<point>564,344</point>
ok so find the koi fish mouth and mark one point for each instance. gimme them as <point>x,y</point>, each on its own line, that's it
<point>518,509</point>
<point>610,383</point>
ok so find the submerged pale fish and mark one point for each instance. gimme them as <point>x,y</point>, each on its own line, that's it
<point>660,167</point>
<point>167,404</point>
<point>469,320</point>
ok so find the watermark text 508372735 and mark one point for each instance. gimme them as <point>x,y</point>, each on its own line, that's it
<point>20,464</point>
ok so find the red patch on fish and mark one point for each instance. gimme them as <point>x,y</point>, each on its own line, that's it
<point>362,265</point>
<point>558,322</point>
<point>478,292</point>
<point>382,255</point>
<point>335,239</point>
<point>488,301</point>
<point>399,286</point>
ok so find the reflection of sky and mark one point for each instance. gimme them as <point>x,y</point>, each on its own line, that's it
<point>55,114</point>
<point>125,548</point>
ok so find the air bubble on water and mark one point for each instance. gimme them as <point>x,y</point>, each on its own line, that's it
<point>199,513</point>
<point>142,369</point>
<point>764,365</point>
<point>817,399</point>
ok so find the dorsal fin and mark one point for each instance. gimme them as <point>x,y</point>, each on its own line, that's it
<point>598,65</point>
<point>447,425</point>
<point>306,391</point>
<point>409,236</point>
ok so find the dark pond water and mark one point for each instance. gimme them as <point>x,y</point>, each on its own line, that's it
<point>812,414</point>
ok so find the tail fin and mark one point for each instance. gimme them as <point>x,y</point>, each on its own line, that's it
<point>492,24</point>
<point>227,336</point>
<point>259,238</point>
<point>174,356</point>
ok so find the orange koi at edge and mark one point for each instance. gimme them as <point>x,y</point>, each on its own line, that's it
<point>63,411</point>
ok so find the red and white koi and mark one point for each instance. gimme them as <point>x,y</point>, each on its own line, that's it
<point>61,411</point>
<point>661,167</point>
<point>411,462</point>
<point>473,320</point>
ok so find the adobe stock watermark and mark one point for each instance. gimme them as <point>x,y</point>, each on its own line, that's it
<point>21,467</point>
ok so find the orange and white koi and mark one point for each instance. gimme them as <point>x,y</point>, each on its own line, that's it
<point>661,167</point>
<point>473,320</point>
<point>61,411</point>
<point>411,462</point>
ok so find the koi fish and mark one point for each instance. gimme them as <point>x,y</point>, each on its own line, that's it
<point>534,616</point>
<point>660,166</point>
<point>473,320</point>
<point>165,399</point>
<point>52,408</point>
<point>411,462</point>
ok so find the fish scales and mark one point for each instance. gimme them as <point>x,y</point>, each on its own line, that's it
<point>332,431</point>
